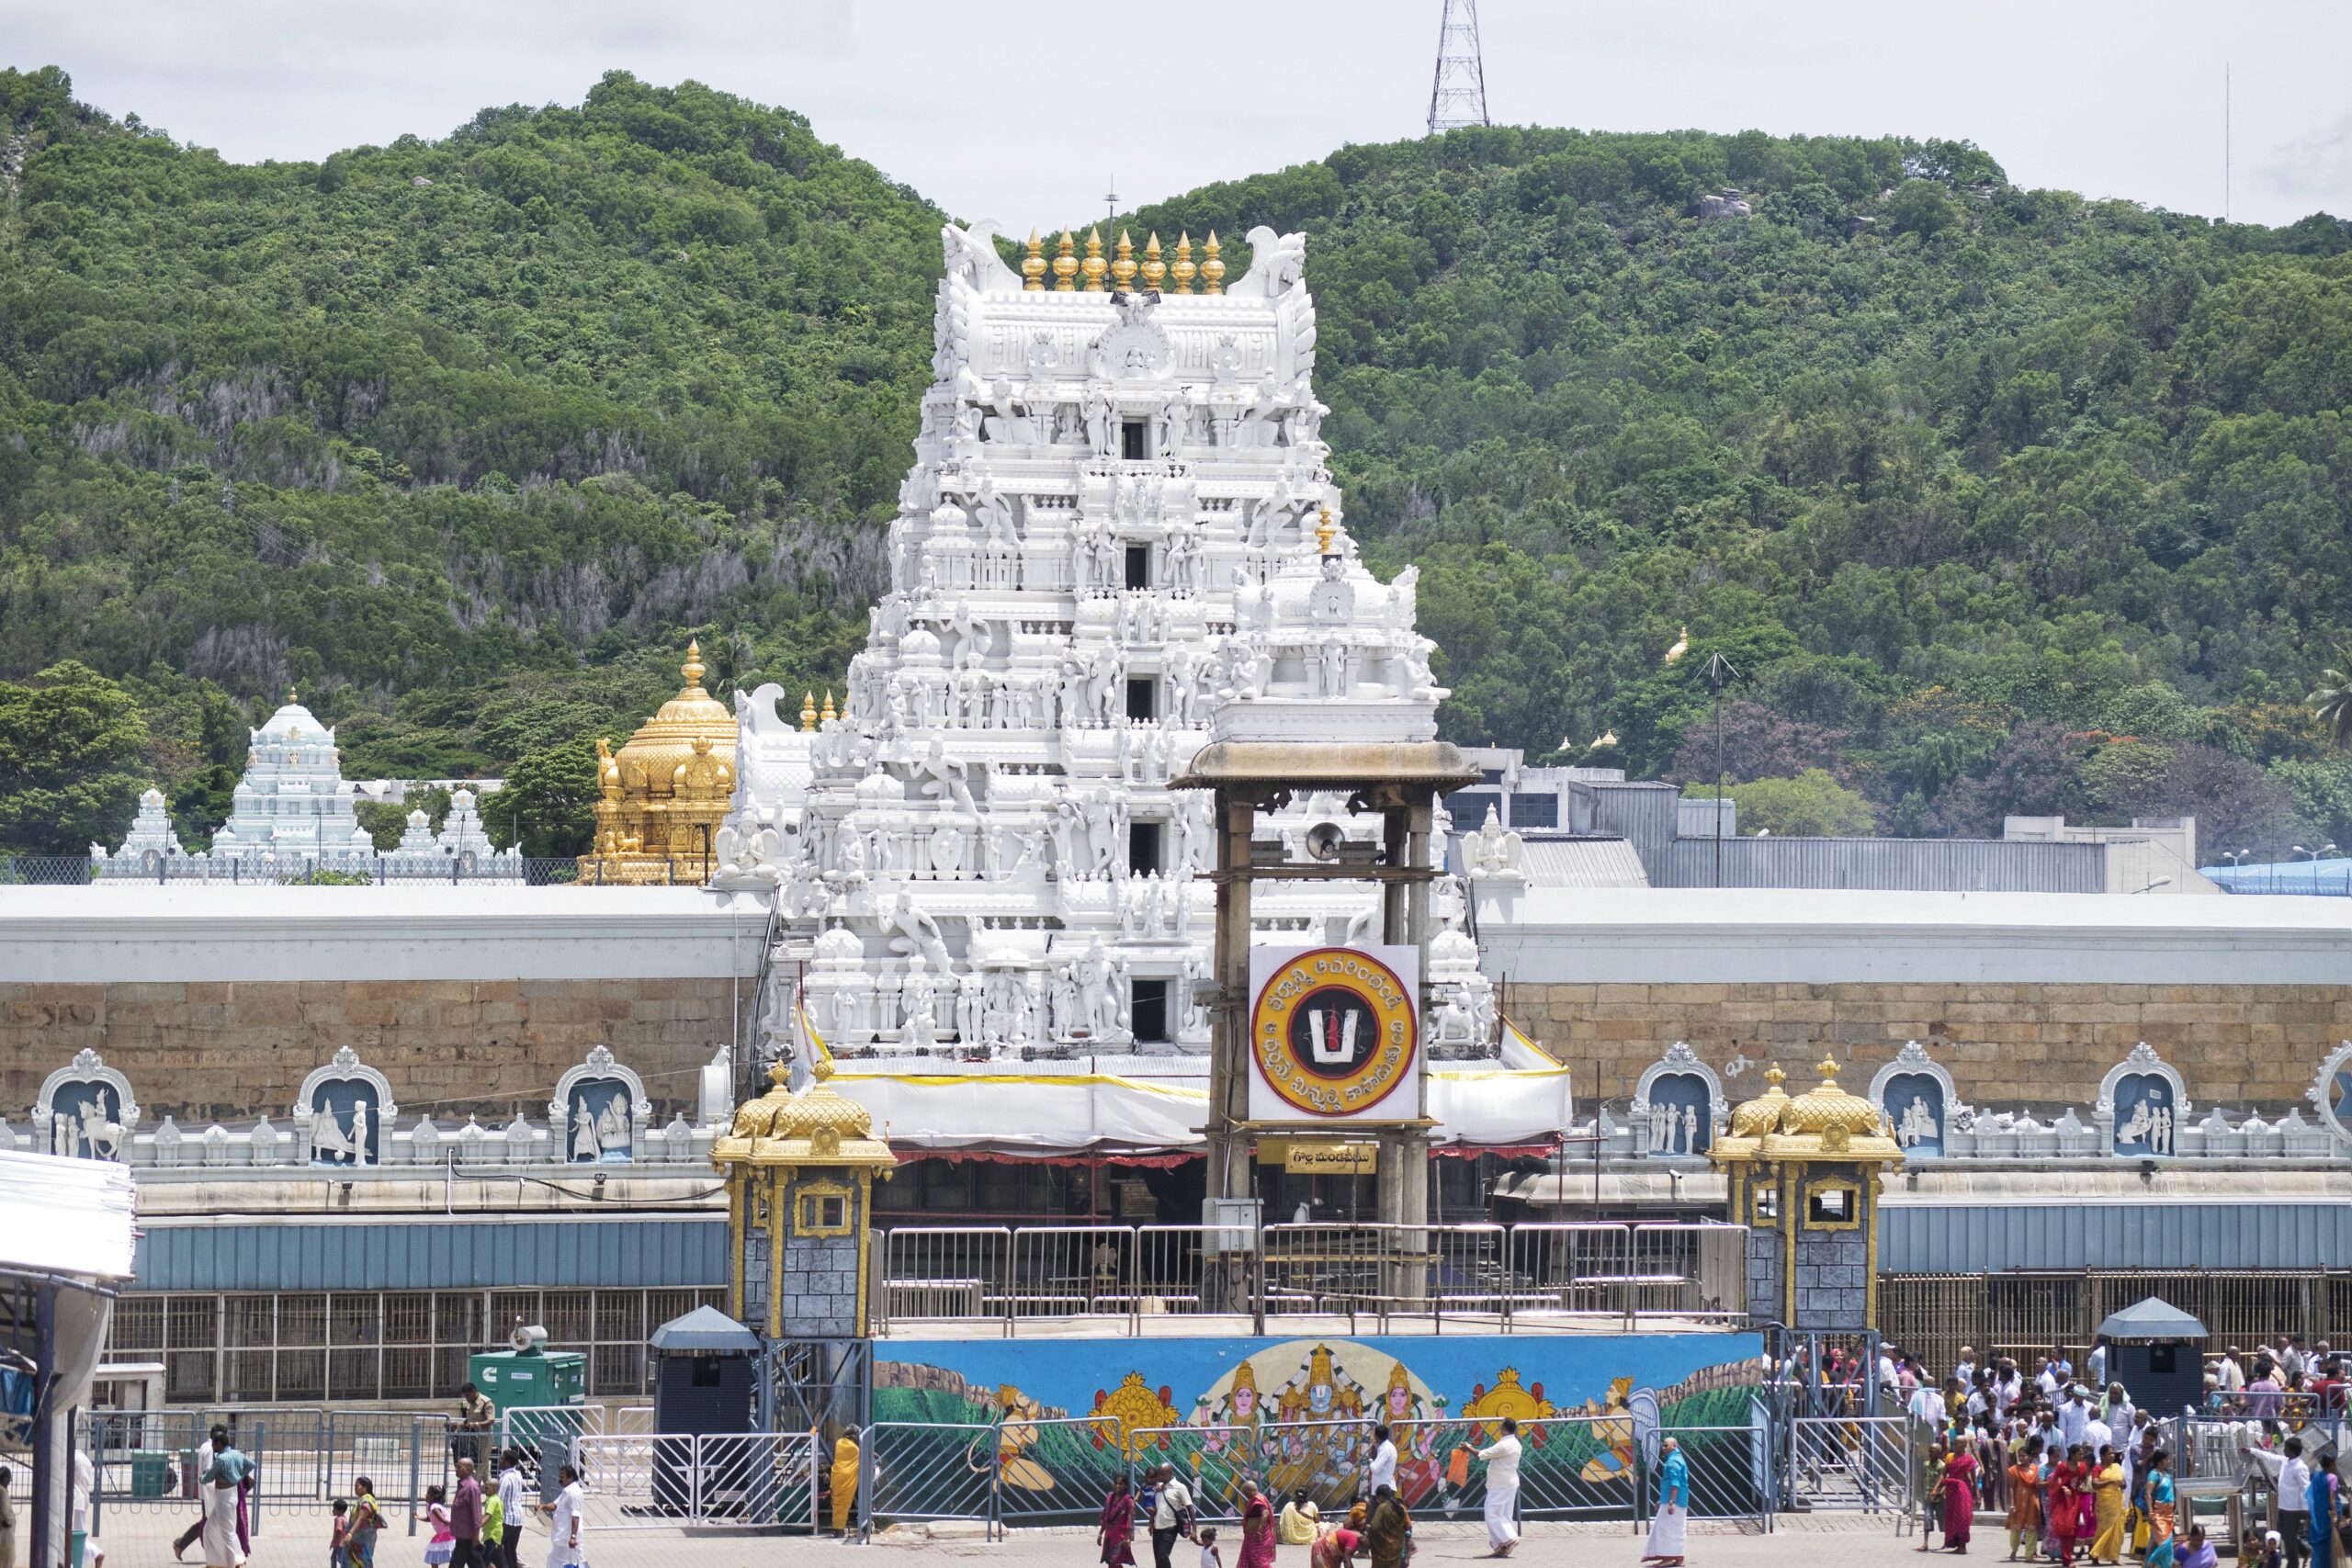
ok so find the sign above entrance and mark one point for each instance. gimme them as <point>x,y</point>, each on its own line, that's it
<point>1334,1033</point>
<point>1332,1159</point>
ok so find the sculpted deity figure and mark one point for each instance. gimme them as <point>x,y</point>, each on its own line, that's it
<point>918,1011</point>
<point>917,933</point>
<point>1101,422</point>
<point>939,776</point>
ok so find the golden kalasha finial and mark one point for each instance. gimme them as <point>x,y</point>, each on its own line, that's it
<point>1211,270</point>
<point>829,715</point>
<point>1064,266</point>
<point>1094,265</point>
<point>1033,266</point>
<point>1323,534</point>
<point>808,710</point>
<point>1828,1071</point>
<point>1123,271</point>
<point>1155,271</point>
<point>692,668</point>
<point>1774,1076</point>
<point>292,697</point>
<point>1183,270</point>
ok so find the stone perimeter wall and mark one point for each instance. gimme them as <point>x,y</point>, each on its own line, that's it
<point>2008,1045</point>
<point>223,1051</point>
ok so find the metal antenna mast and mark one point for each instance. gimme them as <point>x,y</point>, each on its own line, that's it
<point>1458,92</point>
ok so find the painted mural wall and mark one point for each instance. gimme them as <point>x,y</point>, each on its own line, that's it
<point>1058,1419</point>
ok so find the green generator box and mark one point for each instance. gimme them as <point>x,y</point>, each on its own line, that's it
<point>522,1379</point>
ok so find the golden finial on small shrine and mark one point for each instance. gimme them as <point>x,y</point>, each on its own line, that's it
<point>1323,534</point>
<point>1183,270</point>
<point>1123,271</point>
<point>1155,271</point>
<point>692,668</point>
<point>829,715</point>
<point>1094,265</point>
<point>1828,1070</point>
<point>1033,266</point>
<point>808,710</point>
<point>1211,270</point>
<point>292,697</point>
<point>1064,266</point>
<point>1774,1076</point>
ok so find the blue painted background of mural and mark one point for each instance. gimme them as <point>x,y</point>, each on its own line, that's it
<point>70,1102</point>
<point>1686,1092</point>
<point>340,1096</point>
<point>606,1100</point>
<point>1901,1089</point>
<point>2138,1099</point>
<point>1573,1369</point>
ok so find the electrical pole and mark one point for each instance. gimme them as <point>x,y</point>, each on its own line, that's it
<point>1458,91</point>
<point>1720,669</point>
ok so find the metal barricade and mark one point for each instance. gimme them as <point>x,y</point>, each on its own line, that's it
<point>1570,1271</point>
<point>1730,1470</point>
<point>1320,1270</point>
<point>1056,1471</point>
<point>630,1420</point>
<point>1571,1467</point>
<point>143,1461</point>
<point>1694,1271</point>
<point>944,1273</point>
<point>717,1481</point>
<point>1325,1458</point>
<point>1864,1462</point>
<point>1470,1275</point>
<point>400,1451</point>
<point>634,1483</point>
<point>916,1470</point>
<point>1068,1271</point>
<point>1172,1272</point>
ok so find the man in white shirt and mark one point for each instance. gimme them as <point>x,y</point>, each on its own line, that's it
<point>1167,1513</point>
<point>2097,1435</point>
<point>563,1524</point>
<point>1501,1458</point>
<point>1383,1463</point>
<point>2096,1364</point>
<point>2045,1378</point>
<point>2231,1375</point>
<point>2292,1475</point>
<point>508,1548</point>
<point>2074,1416</point>
<point>1966,1369</point>
<point>1928,1406</point>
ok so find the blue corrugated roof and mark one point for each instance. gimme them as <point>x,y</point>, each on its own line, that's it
<point>1952,1238</point>
<point>374,1255</point>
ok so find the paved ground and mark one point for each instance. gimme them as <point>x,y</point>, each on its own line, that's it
<point>142,1540</point>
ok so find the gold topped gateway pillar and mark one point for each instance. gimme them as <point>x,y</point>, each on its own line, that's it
<point>662,795</point>
<point>1803,1176</point>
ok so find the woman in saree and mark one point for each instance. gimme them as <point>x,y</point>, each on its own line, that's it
<point>2062,1504</point>
<point>2106,1491</point>
<point>1961,1471</point>
<point>2321,1531</point>
<point>1257,1528</point>
<point>2161,1511</point>
<point>1115,1533</point>
<point>2025,1499</point>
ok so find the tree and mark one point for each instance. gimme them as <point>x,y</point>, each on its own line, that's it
<point>1757,743</point>
<point>2332,703</point>
<point>549,801</point>
<point>1812,804</point>
<point>72,761</point>
<point>2036,772</point>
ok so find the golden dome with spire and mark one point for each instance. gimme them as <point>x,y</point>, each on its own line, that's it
<point>1826,1106</point>
<point>817,1126</point>
<point>1762,1115</point>
<point>664,794</point>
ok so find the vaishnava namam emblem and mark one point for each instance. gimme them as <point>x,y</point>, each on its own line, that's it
<point>1332,1032</point>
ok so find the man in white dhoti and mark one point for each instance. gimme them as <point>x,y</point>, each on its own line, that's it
<point>230,1470</point>
<point>563,1522</point>
<point>1502,1491</point>
<point>1670,1524</point>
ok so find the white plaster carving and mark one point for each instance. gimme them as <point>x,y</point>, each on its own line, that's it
<point>81,1127</point>
<point>1659,1125</point>
<point>355,1137</point>
<point>2150,1126</point>
<point>2331,1095</point>
<point>611,1113</point>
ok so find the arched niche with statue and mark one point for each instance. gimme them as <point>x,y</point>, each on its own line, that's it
<point>344,1114</point>
<point>2142,1105</point>
<point>599,1111</point>
<point>85,1110</point>
<point>1677,1104</point>
<point>1918,1095</point>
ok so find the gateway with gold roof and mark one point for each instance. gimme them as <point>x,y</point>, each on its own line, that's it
<point>663,796</point>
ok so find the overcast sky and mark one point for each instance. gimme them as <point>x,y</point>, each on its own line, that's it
<point>1026,112</point>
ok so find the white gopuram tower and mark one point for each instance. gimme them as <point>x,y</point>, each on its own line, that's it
<point>293,803</point>
<point>1119,523</point>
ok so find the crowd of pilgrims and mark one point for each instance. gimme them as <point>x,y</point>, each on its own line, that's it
<point>2084,1475</point>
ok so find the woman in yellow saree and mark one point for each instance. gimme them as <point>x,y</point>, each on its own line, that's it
<point>2106,1490</point>
<point>845,1479</point>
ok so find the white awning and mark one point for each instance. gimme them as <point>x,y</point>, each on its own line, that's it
<point>1100,1114</point>
<point>65,1217</point>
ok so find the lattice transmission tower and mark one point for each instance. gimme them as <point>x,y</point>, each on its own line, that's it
<point>1458,93</point>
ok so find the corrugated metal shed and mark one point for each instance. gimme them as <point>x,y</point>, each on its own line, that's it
<point>1977,1238</point>
<point>368,1254</point>
<point>1583,863</point>
<point>1919,865</point>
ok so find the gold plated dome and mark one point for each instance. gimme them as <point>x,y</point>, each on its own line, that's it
<point>663,795</point>
<point>1761,1115</point>
<point>1826,1106</point>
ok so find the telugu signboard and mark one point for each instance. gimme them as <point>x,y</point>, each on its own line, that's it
<point>1334,1035</point>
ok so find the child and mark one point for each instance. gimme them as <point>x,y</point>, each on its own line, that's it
<point>339,1538</point>
<point>2273,1549</point>
<point>1209,1557</point>
<point>444,1544</point>
<point>493,1528</point>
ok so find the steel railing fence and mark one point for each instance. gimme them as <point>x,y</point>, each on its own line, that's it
<point>1556,1275</point>
<point>382,869</point>
<point>918,1470</point>
<point>1867,1463</point>
<point>753,1480</point>
<point>1732,1471</point>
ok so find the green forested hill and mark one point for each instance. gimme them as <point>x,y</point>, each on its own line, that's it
<point>1999,499</point>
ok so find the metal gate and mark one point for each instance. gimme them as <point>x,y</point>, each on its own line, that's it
<point>1863,1462</point>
